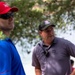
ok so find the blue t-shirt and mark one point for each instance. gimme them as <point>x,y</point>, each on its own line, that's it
<point>10,62</point>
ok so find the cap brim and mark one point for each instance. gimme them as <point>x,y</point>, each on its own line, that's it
<point>13,9</point>
<point>48,26</point>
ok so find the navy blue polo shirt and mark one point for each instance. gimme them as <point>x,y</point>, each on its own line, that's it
<point>10,62</point>
<point>58,62</point>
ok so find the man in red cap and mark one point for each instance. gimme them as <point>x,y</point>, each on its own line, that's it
<point>10,62</point>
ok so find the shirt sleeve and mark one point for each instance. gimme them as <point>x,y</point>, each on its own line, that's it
<point>35,61</point>
<point>71,48</point>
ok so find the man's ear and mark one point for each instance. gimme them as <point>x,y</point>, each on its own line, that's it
<point>40,32</point>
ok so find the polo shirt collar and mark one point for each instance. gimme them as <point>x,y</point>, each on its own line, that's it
<point>53,42</point>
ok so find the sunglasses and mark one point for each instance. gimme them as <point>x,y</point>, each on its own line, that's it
<point>7,15</point>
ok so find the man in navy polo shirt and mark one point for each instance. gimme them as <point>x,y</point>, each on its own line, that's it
<point>51,56</point>
<point>10,62</point>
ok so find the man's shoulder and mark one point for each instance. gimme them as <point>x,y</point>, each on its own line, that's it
<point>65,42</point>
<point>62,39</point>
<point>38,44</point>
<point>4,43</point>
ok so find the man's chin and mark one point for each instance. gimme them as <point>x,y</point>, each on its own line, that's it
<point>50,38</point>
<point>7,29</point>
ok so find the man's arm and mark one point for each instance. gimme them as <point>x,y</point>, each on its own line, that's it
<point>37,71</point>
<point>73,72</point>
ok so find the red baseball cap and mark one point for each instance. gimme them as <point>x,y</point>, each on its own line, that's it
<point>5,8</point>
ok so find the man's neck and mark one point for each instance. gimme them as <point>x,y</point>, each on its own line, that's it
<point>7,33</point>
<point>48,42</point>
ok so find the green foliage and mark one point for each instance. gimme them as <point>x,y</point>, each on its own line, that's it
<point>2,36</point>
<point>32,12</point>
